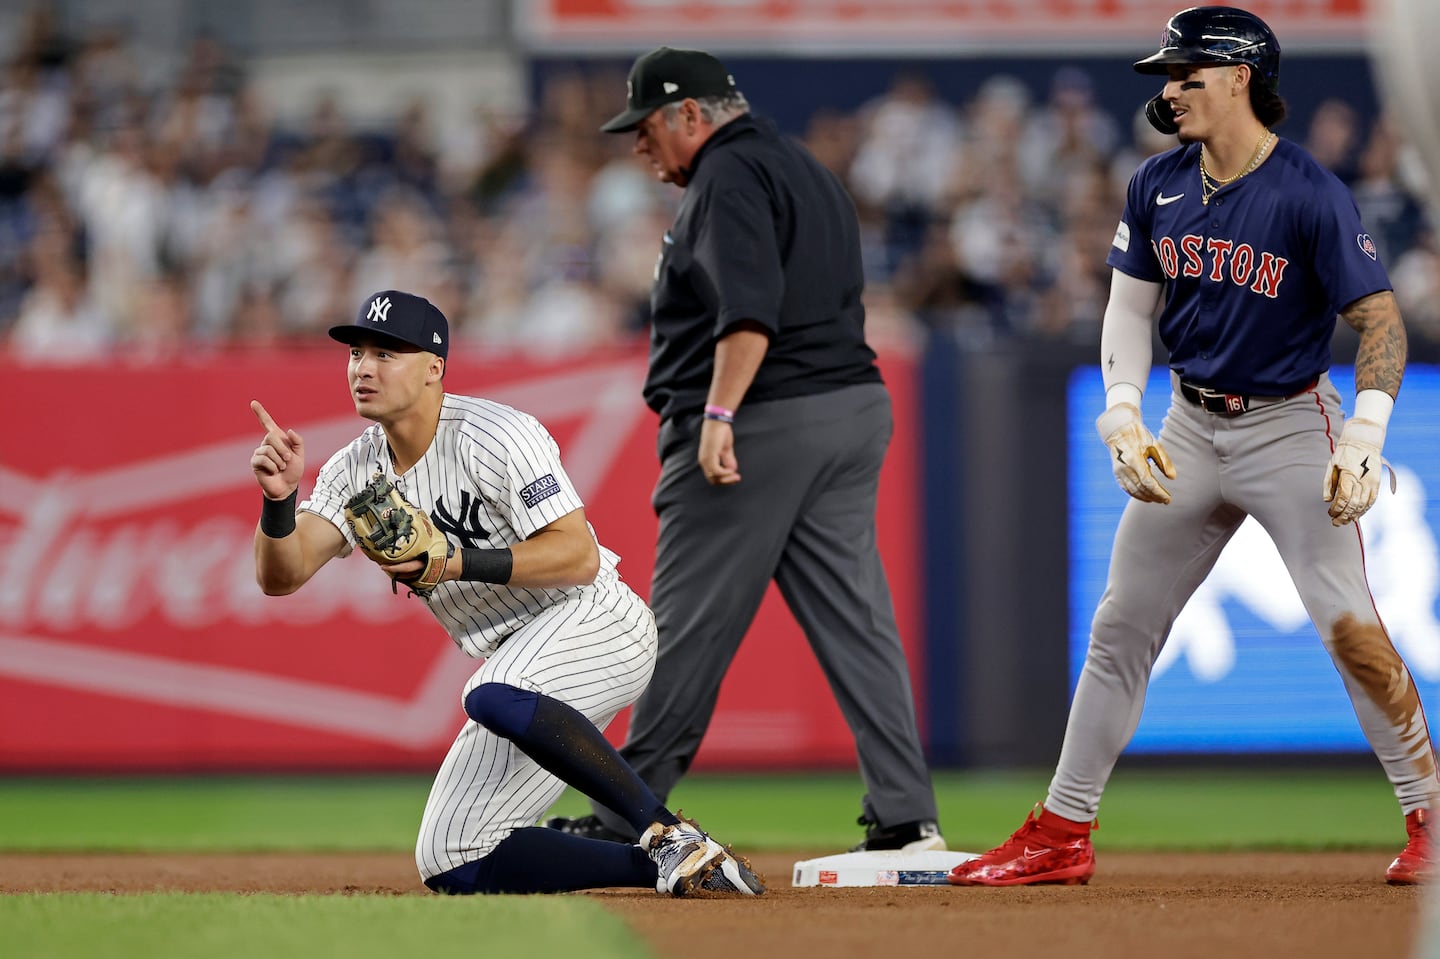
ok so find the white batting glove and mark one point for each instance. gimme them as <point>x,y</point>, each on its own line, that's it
<point>1132,450</point>
<point>1352,477</point>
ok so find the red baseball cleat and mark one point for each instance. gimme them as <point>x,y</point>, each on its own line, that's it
<point>1046,849</point>
<point>1413,863</point>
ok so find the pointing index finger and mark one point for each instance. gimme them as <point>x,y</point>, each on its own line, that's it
<point>265,419</point>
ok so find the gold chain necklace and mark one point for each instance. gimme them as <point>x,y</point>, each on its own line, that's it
<point>1210,185</point>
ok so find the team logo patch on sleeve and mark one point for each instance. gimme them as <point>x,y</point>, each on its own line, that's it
<point>1367,245</point>
<point>1122,237</point>
<point>540,490</point>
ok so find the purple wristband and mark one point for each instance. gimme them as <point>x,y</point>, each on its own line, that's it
<point>713,412</point>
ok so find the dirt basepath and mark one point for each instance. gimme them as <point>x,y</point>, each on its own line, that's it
<point>1231,906</point>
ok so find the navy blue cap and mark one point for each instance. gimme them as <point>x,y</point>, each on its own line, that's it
<point>402,317</point>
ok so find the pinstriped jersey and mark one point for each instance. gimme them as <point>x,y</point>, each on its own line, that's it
<point>490,479</point>
<point>1254,280</point>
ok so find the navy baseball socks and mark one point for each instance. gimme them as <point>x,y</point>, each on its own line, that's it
<point>566,744</point>
<point>537,860</point>
<point>674,855</point>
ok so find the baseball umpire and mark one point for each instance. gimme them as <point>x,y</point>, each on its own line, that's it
<point>774,423</point>
<point>510,568</point>
<point>1255,249</point>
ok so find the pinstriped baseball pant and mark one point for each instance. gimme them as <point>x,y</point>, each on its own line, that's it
<point>593,652</point>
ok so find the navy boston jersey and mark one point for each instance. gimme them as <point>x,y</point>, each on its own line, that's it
<point>1254,280</point>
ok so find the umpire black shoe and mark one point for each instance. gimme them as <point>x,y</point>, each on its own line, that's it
<point>921,835</point>
<point>586,827</point>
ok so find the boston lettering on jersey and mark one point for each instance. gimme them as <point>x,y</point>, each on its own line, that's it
<point>1253,279</point>
<point>1221,260</point>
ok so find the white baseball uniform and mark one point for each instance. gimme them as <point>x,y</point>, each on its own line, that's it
<point>491,478</point>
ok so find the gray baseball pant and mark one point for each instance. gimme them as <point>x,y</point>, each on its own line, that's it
<point>1267,463</point>
<point>803,515</point>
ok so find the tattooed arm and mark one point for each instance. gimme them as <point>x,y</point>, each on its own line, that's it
<point>1380,361</point>
<point>1352,477</point>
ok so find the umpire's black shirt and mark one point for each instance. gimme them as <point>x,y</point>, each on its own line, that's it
<point>764,233</point>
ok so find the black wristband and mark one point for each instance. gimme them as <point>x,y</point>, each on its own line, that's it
<point>277,516</point>
<point>486,565</point>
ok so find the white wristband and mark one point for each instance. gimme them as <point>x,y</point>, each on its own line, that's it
<point>1375,406</point>
<point>1123,393</point>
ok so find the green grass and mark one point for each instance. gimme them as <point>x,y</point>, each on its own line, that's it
<point>1143,809</point>
<point>212,813</point>
<point>231,927</point>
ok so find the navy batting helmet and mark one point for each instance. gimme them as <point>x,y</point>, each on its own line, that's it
<point>1217,36</point>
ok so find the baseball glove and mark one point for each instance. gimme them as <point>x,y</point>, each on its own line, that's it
<point>390,530</point>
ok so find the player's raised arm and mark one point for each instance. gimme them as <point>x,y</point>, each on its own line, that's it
<point>288,548</point>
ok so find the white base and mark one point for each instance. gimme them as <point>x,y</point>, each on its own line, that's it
<point>888,868</point>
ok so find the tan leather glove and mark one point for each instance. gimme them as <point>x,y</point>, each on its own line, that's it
<point>390,530</point>
<point>1132,450</point>
<point>1352,477</point>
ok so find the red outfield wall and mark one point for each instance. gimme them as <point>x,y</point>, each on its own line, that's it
<point>133,636</point>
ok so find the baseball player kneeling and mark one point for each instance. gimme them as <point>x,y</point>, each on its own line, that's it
<point>465,503</point>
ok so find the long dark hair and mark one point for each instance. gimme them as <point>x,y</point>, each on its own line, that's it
<point>1269,106</point>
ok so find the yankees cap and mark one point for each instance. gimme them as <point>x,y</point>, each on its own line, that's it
<point>666,75</point>
<point>402,317</point>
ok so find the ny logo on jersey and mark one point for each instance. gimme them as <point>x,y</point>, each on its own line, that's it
<point>1237,262</point>
<point>379,310</point>
<point>466,528</point>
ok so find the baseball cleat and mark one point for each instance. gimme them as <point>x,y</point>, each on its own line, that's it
<point>586,827</point>
<point>733,874</point>
<point>1413,863</point>
<point>1047,849</point>
<point>917,836</point>
<point>689,861</point>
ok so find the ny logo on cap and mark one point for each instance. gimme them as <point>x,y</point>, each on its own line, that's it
<point>379,310</point>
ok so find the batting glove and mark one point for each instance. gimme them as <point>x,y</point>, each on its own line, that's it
<point>1352,477</point>
<point>1132,450</point>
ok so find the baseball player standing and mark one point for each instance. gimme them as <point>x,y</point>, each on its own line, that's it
<point>566,644</point>
<point>1255,248</point>
<point>757,302</point>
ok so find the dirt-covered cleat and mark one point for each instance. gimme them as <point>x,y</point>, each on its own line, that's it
<point>586,827</point>
<point>689,861</point>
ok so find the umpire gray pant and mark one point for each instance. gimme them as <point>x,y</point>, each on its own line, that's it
<point>803,515</point>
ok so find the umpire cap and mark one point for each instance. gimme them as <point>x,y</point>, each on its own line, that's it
<point>398,317</point>
<point>665,75</point>
<point>1217,36</point>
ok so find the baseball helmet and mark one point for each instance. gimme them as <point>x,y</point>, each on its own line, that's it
<point>1217,35</point>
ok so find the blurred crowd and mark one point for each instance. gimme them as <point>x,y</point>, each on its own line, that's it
<point>152,218</point>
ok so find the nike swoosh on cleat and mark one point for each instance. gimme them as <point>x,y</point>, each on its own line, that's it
<point>1162,200</point>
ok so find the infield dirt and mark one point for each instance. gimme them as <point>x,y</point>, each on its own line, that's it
<point>1175,905</point>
